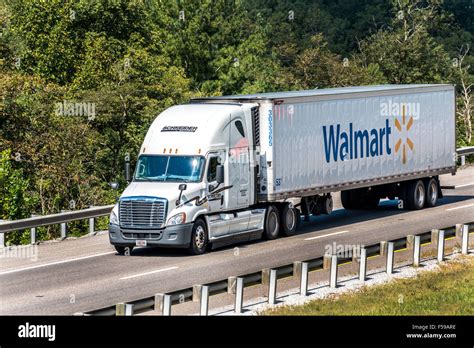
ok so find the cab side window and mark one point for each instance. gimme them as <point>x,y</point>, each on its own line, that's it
<point>212,169</point>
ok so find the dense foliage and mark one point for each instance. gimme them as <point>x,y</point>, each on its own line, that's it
<point>82,80</point>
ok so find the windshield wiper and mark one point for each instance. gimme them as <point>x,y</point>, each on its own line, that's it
<point>176,178</point>
<point>150,180</point>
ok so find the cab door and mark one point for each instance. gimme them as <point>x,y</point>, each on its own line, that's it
<point>219,222</point>
<point>239,163</point>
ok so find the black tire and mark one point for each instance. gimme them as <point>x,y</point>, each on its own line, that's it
<point>415,195</point>
<point>431,192</point>
<point>346,199</point>
<point>359,199</point>
<point>199,238</point>
<point>272,223</point>
<point>122,250</point>
<point>371,202</point>
<point>327,205</point>
<point>289,218</point>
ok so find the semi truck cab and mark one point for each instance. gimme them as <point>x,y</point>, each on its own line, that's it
<point>193,182</point>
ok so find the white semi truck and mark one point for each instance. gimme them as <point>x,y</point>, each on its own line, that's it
<point>228,169</point>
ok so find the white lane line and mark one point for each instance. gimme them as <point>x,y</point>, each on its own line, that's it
<point>464,185</point>
<point>326,235</point>
<point>461,207</point>
<point>56,263</point>
<point>147,273</point>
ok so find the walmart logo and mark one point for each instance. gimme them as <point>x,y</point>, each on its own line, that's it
<point>346,143</point>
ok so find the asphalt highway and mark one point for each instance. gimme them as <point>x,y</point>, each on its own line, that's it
<point>86,273</point>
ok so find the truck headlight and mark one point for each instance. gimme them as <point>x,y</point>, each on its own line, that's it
<point>114,220</point>
<point>177,219</point>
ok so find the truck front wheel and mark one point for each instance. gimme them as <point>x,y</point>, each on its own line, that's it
<point>199,238</point>
<point>272,223</point>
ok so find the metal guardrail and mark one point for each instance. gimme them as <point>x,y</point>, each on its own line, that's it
<point>462,152</point>
<point>54,219</point>
<point>163,302</point>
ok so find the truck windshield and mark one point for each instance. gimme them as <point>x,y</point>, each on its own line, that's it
<point>169,168</point>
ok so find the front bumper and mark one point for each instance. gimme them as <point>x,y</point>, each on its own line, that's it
<point>176,236</point>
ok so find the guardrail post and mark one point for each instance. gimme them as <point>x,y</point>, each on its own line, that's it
<point>410,241</point>
<point>327,261</point>
<point>124,309</point>
<point>91,224</point>
<point>390,248</point>
<point>463,160</point>
<point>333,272</point>
<point>272,287</point>
<point>416,251</point>
<point>363,264</point>
<point>163,304</point>
<point>2,239</point>
<point>231,284</point>
<point>33,233</point>
<point>465,240</point>
<point>435,237</point>
<point>239,295</point>
<point>63,228</point>
<point>204,300</point>
<point>304,279</point>
<point>440,245</point>
<point>383,248</point>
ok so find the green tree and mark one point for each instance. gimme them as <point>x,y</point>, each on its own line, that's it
<point>16,200</point>
<point>318,67</point>
<point>405,52</point>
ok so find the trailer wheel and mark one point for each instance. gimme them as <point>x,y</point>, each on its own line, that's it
<point>199,239</point>
<point>371,202</point>
<point>431,189</point>
<point>415,195</point>
<point>272,223</point>
<point>346,199</point>
<point>290,218</point>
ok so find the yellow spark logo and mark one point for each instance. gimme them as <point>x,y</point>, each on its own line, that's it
<point>409,143</point>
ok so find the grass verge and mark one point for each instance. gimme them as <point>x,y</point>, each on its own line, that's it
<point>447,291</point>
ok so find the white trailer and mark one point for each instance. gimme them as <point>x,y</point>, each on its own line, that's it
<point>225,169</point>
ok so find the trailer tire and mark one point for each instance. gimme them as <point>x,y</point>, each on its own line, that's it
<point>199,238</point>
<point>432,192</point>
<point>346,199</point>
<point>415,195</point>
<point>371,202</point>
<point>289,218</point>
<point>272,223</point>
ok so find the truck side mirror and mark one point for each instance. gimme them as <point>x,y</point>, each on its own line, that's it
<point>220,174</point>
<point>128,176</point>
<point>181,188</point>
<point>114,185</point>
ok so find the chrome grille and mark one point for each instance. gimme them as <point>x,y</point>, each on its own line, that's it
<point>142,212</point>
